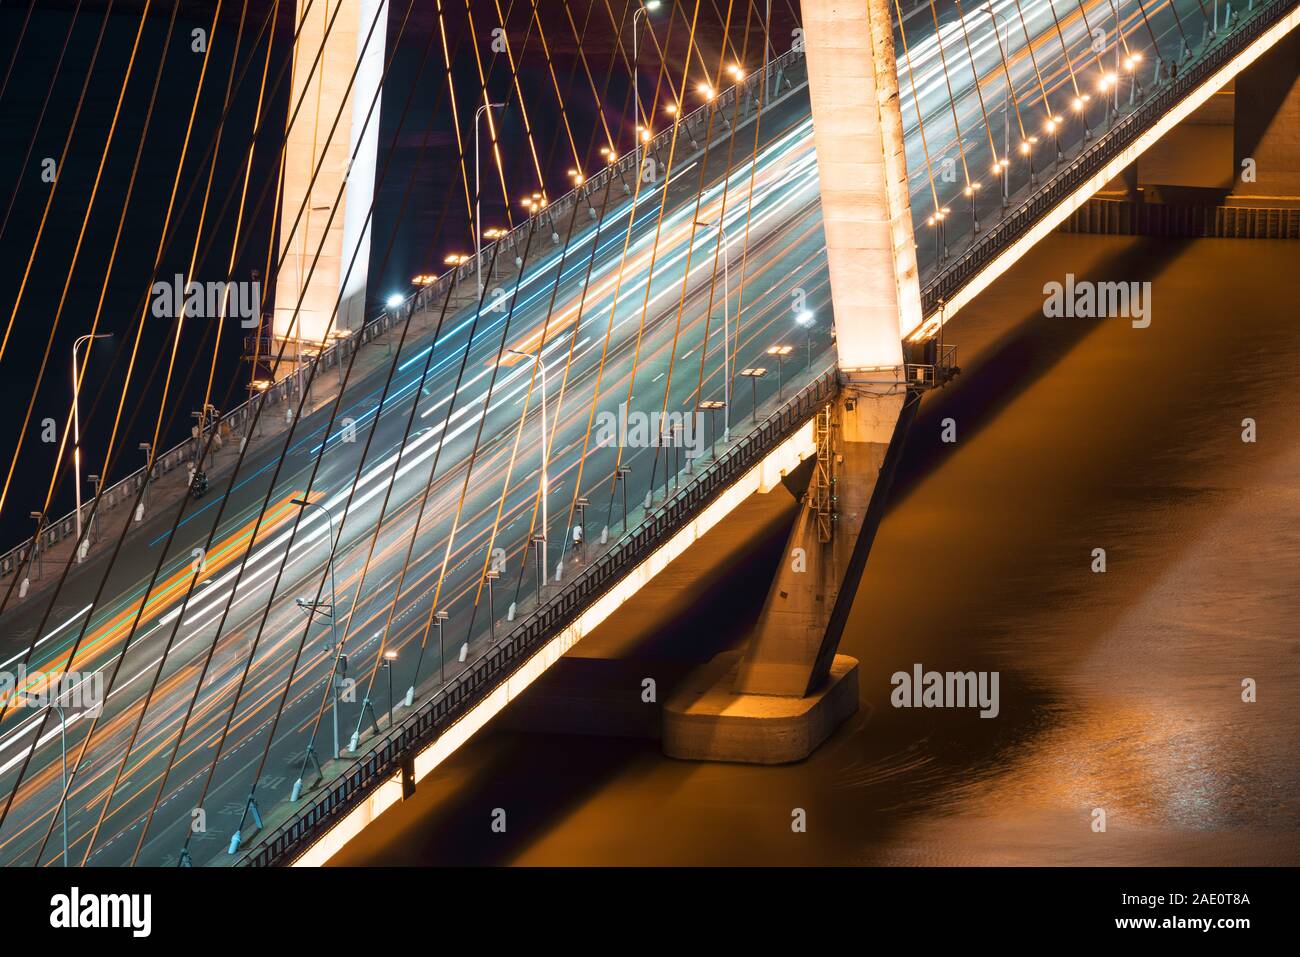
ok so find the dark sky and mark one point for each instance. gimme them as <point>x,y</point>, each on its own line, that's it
<point>39,112</point>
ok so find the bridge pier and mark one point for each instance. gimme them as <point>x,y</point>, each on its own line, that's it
<point>788,690</point>
<point>1266,127</point>
<point>350,37</point>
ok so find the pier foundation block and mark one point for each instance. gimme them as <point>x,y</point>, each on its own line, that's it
<point>706,720</point>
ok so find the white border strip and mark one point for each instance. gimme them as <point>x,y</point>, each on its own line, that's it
<point>1065,209</point>
<point>763,477</point>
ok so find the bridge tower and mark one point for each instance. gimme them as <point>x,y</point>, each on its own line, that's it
<point>789,689</point>
<point>343,83</point>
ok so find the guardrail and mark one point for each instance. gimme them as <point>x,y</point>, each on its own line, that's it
<point>1017,223</point>
<point>233,423</point>
<point>388,753</point>
<point>236,422</point>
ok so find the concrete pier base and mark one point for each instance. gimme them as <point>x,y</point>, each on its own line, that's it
<point>707,720</point>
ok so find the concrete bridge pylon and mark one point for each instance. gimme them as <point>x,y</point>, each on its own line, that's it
<point>788,690</point>
<point>350,36</point>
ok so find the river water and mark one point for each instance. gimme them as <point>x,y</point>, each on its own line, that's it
<point>1119,692</point>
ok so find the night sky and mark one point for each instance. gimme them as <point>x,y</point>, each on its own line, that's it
<point>42,103</point>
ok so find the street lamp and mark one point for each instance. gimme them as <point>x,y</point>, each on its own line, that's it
<point>940,233</point>
<point>147,449</point>
<point>643,10</point>
<point>726,326</point>
<point>76,426</point>
<point>1080,104</point>
<point>440,617</point>
<point>1054,127</point>
<point>37,552</point>
<point>972,189</point>
<point>1000,168</point>
<point>1135,85</point>
<point>91,533</point>
<point>478,195</point>
<point>753,375</point>
<point>333,609</point>
<point>389,657</point>
<point>545,460</point>
<point>780,353</point>
<point>491,577</point>
<point>1027,151</point>
<point>620,477</point>
<point>1106,85</point>
<point>712,406</point>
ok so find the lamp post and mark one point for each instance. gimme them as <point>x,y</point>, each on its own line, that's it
<point>147,449</point>
<point>712,406</point>
<point>1080,105</point>
<point>780,353</point>
<point>91,535</point>
<point>334,638</point>
<point>1027,151</point>
<point>1054,127</point>
<point>1135,85</point>
<point>972,191</point>
<point>753,375</point>
<point>726,326</point>
<point>389,657</point>
<point>620,476</point>
<point>545,476</point>
<point>641,11</point>
<point>478,196</point>
<point>76,425</point>
<point>440,617</point>
<point>491,577</point>
<point>37,552</point>
<point>940,234</point>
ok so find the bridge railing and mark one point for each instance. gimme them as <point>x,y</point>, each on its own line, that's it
<point>231,425</point>
<point>1069,177</point>
<point>389,752</point>
<point>785,71</point>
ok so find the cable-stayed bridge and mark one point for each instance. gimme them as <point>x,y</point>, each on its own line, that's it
<point>386,554</point>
